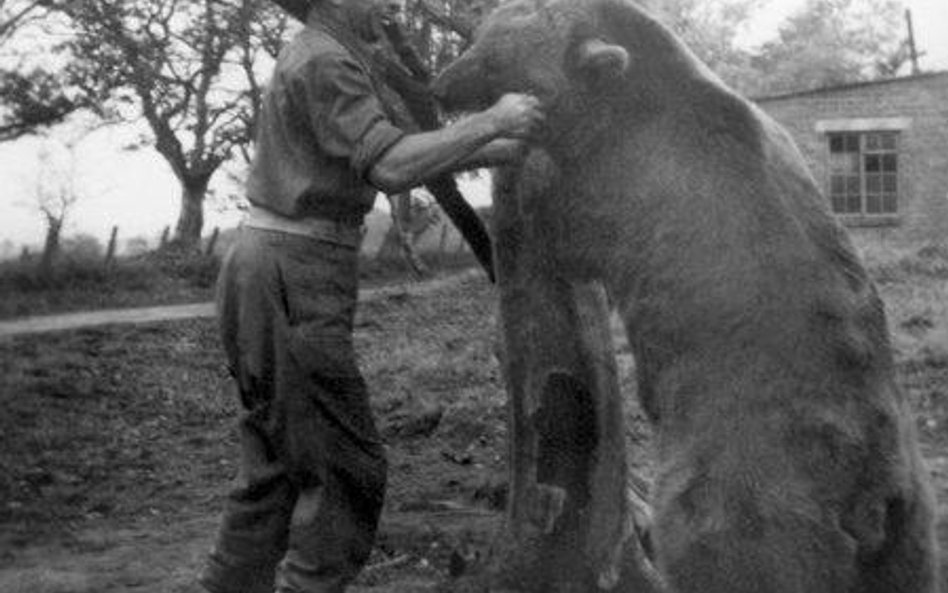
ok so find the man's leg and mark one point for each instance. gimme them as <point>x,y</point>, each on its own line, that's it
<point>332,532</point>
<point>332,448</point>
<point>254,530</point>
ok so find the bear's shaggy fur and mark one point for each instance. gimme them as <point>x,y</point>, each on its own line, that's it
<point>787,455</point>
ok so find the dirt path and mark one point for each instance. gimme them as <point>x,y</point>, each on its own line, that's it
<point>165,558</point>
<point>67,321</point>
<point>126,444</point>
<point>116,443</point>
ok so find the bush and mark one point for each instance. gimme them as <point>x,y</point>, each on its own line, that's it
<point>382,270</point>
<point>931,261</point>
<point>77,274</point>
<point>934,252</point>
<point>82,248</point>
<point>81,283</point>
<point>196,269</point>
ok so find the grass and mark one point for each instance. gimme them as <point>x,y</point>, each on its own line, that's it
<point>156,278</point>
<point>121,427</point>
<point>914,286</point>
<point>93,427</point>
<point>126,431</point>
<point>74,285</point>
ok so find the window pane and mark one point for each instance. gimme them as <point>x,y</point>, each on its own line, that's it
<point>837,185</point>
<point>873,142</point>
<point>852,186</point>
<point>890,203</point>
<point>843,143</point>
<point>839,203</point>
<point>888,141</point>
<point>873,184</point>
<point>836,143</point>
<point>873,163</point>
<point>873,204</point>
<point>844,163</point>
<point>889,183</point>
<point>853,204</point>
<point>889,162</point>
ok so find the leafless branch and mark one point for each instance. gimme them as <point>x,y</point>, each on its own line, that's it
<point>461,26</point>
<point>19,16</point>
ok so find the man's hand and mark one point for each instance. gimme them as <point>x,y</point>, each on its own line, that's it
<point>517,116</point>
<point>491,137</point>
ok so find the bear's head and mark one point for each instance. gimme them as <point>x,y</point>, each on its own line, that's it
<point>577,56</point>
<point>529,46</point>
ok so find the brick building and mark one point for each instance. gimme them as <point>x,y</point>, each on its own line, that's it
<point>880,151</point>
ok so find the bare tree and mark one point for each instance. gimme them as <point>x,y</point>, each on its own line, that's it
<point>712,28</point>
<point>15,15</point>
<point>412,215</point>
<point>830,42</point>
<point>54,198</point>
<point>441,29</point>
<point>259,42</point>
<point>187,67</point>
<point>31,97</point>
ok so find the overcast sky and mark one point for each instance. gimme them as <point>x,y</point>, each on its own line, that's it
<point>136,191</point>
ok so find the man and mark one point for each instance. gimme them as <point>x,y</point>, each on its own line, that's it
<point>313,469</point>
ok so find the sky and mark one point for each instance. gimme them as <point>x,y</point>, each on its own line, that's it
<point>137,192</point>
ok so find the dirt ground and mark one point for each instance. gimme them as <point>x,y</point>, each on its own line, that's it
<point>117,448</point>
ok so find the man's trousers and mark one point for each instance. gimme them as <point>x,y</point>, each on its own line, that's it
<point>311,485</point>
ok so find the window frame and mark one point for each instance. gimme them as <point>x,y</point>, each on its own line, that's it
<point>864,197</point>
<point>863,128</point>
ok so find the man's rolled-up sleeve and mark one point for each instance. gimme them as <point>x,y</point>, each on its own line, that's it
<point>346,113</point>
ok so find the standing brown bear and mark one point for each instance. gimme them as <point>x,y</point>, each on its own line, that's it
<point>787,455</point>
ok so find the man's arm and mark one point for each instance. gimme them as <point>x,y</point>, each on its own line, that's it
<point>482,139</point>
<point>496,153</point>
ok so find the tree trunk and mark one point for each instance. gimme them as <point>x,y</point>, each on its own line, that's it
<point>110,251</point>
<point>403,232</point>
<point>212,242</point>
<point>187,232</point>
<point>54,228</point>
<point>574,514</point>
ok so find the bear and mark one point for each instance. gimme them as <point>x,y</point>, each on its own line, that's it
<point>787,457</point>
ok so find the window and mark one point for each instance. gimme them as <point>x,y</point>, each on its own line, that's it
<point>863,172</point>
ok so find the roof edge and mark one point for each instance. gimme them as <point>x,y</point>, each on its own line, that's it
<point>850,86</point>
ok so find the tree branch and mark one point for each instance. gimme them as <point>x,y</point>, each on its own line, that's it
<point>459,25</point>
<point>18,18</point>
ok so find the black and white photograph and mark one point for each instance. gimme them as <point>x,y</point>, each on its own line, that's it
<point>474,296</point>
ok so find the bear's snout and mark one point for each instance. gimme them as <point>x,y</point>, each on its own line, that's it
<point>460,87</point>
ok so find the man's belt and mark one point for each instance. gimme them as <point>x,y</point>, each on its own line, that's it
<point>321,229</point>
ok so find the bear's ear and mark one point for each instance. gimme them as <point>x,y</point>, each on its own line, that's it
<point>601,60</point>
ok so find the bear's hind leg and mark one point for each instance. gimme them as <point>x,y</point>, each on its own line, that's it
<point>743,550</point>
<point>907,561</point>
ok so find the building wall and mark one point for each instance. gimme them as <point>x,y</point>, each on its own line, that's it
<point>920,104</point>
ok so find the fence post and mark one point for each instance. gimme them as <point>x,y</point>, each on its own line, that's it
<point>164,237</point>
<point>443,243</point>
<point>212,241</point>
<point>110,250</point>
